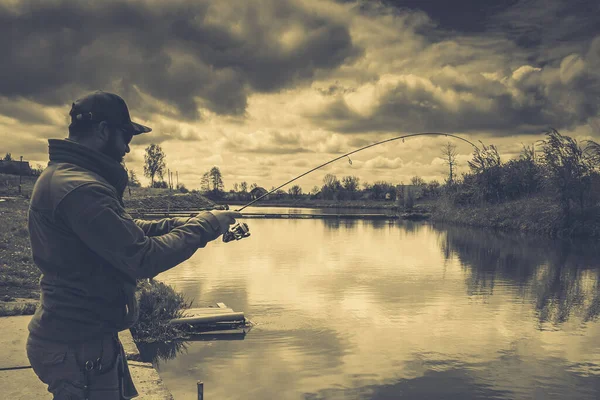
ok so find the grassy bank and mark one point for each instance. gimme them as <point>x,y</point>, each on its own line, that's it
<point>18,274</point>
<point>164,199</point>
<point>538,215</point>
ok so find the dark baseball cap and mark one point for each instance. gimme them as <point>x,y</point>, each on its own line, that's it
<point>104,106</point>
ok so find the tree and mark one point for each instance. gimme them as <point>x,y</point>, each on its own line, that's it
<point>37,170</point>
<point>380,188</point>
<point>154,162</point>
<point>449,155</point>
<point>216,179</point>
<point>244,187</point>
<point>8,157</point>
<point>486,181</point>
<point>484,158</point>
<point>569,168</point>
<point>331,187</point>
<point>133,180</point>
<point>205,182</point>
<point>330,180</point>
<point>295,191</point>
<point>235,187</point>
<point>417,181</point>
<point>253,186</point>
<point>350,183</point>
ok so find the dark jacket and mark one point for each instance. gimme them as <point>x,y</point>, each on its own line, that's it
<point>91,252</point>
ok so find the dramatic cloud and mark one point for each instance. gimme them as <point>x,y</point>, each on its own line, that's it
<point>411,79</point>
<point>189,54</point>
<point>266,89</point>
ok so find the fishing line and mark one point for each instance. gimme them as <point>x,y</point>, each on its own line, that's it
<point>356,151</point>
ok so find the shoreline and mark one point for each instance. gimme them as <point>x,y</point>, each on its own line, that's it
<point>538,216</point>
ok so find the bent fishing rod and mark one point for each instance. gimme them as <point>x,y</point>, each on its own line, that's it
<point>240,230</point>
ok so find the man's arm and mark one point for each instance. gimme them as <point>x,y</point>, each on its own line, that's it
<point>99,220</point>
<point>161,226</point>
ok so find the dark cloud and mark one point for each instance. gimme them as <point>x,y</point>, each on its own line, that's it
<point>550,29</point>
<point>457,15</point>
<point>185,53</point>
<point>530,99</point>
<point>24,112</point>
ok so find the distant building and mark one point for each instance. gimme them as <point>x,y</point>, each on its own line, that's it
<point>257,192</point>
<point>13,167</point>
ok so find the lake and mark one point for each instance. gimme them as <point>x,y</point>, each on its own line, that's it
<point>355,309</point>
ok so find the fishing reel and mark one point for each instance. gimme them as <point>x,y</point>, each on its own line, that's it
<point>236,232</point>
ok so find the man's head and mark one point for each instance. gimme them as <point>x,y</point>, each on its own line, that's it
<point>101,121</point>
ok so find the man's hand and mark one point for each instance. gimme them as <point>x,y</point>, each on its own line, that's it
<point>225,218</point>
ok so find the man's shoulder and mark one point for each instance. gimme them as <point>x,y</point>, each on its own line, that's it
<point>62,179</point>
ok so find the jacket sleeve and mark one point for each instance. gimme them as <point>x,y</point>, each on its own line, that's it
<point>161,226</point>
<point>98,219</point>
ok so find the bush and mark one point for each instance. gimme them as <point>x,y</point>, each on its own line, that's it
<point>158,304</point>
<point>160,185</point>
<point>21,309</point>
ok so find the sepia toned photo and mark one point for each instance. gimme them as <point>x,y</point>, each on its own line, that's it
<point>300,199</point>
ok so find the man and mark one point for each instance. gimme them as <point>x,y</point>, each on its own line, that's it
<point>91,252</point>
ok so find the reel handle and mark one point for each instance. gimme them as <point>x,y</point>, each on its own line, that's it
<point>236,232</point>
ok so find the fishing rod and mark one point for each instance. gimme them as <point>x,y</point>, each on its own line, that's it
<point>240,230</point>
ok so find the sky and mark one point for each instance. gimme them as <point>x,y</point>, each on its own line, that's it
<point>268,89</point>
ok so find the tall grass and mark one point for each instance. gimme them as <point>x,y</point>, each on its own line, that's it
<point>158,304</point>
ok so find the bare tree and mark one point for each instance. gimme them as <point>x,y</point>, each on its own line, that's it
<point>449,155</point>
<point>418,181</point>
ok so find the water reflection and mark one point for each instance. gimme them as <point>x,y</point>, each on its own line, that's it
<point>561,276</point>
<point>155,352</point>
<point>352,309</point>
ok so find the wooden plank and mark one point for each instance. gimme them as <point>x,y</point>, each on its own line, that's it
<point>208,318</point>
<point>208,311</point>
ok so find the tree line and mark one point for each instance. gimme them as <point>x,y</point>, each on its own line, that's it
<point>559,167</point>
<point>563,169</point>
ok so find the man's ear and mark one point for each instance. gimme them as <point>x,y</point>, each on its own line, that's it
<point>103,131</point>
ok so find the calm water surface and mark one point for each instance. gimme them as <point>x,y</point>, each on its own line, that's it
<point>392,310</point>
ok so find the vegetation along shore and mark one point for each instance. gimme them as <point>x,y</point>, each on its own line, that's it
<point>553,190</point>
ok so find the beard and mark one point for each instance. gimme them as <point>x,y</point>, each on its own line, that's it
<point>110,149</point>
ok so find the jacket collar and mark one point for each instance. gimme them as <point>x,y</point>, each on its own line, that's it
<point>68,151</point>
